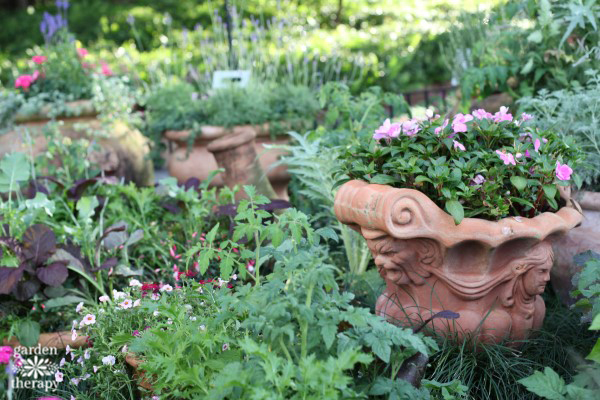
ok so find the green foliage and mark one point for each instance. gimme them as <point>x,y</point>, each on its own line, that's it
<point>573,113</point>
<point>587,285</point>
<point>550,385</point>
<point>470,173</point>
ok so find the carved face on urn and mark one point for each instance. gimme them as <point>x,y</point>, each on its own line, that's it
<point>535,280</point>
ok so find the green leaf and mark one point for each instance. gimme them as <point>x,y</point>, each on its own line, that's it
<point>595,326</point>
<point>456,210</point>
<point>519,182</point>
<point>534,37</point>
<point>547,384</point>
<point>595,353</point>
<point>382,179</point>
<point>550,191</point>
<point>327,233</point>
<point>63,301</point>
<point>28,333</point>
<point>14,168</point>
<point>86,207</point>
<point>422,178</point>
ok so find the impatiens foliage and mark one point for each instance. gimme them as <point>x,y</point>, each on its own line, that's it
<point>474,165</point>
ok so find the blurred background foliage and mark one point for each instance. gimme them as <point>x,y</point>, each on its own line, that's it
<point>389,43</point>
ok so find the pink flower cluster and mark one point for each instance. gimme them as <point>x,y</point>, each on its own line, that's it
<point>6,353</point>
<point>25,81</point>
<point>392,130</point>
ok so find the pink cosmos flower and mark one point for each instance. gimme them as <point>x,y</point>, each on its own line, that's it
<point>482,114</point>
<point>82,52</point>
<point>563,172</point>
<point>439,129</point>
<point>39,59</point>
<point>459,123</point>
<point>506,157</point>
<point>410,128</point>
<point>24,81</point>
<point>387,130</point>
<point>503,115</point>
<point>458,145</point>
<point>537,144</point>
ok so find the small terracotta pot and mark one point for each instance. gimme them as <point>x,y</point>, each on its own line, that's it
<point>139,376</point>
<point>236,153</point>
<point>491,273</point>
<point>123,151</point>
<point>197,162</point>
<point>58,340</point>
<point>579,240</point>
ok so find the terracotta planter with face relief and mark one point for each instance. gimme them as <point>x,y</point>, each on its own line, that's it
<point>490,272</point>
<point>58,340</point>
<point>197,162</point>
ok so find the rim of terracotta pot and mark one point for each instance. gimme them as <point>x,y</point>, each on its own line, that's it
<point>211,132</point>
<point>74,109</point>
<point>408,213</point>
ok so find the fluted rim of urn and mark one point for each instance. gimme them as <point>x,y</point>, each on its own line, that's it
<point>409,213</point>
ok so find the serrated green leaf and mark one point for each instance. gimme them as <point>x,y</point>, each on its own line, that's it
<point>547,384</point>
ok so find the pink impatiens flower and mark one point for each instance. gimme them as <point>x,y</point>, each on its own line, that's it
<point>526,117</point>
<point>458,145</point>
<point>387,130</point>
<point>537,144</point>
<point>459,123</point>
<point>39,59</point>
<point>482,114</point>
<point>506,157</point>
<point>563,172</point>
<point>82,52</point>
<point>503,115</point>
<point>410,128</point>
<point>479,179</point>
<point>106,71</point>
<point>439,129</point>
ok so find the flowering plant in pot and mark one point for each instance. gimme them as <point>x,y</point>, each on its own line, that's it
<point>64,83</point>
<point>504,187</point>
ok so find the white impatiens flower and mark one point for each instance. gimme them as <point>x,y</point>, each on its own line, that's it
<point>202,327</point>
<point>135,283</point>
<point>75,381</point>
<point>170,321</point>
<point>79,307</point>
<point>104,298</point>
<point>62,362</point>
<point>68,349</point>
<point>166,288</point>
<point>118,295</point>
<point>86,354</point>
<point>234,277</point>
<point>156,313</point>
<point>124,349</point>
<point>155,296</point>
<point>137,303</point>
<point>222,282</point>
<point>108,360</point>
<point>193,318</point>
<point>96,368</point>
<point>127,303</point>
<point>89,319</point>
<point>73,335</point>
<point>58,376</point>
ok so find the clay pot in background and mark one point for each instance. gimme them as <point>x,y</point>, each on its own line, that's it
<point>236,153</point>
<point>489,272</point>
<point>579,240</point>
<point>198,162</point>
<point>139,376</point>
<point>58,340</point>
<point>124,151</point>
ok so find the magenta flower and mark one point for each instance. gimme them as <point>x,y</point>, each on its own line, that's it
<point>106,71</point>
<point>527,154</point>
<point>458,145</point>
<point>410,128</point>
<point>387,130</point>
<point>439,129</point>
<point>537,144</point>
<point>5,354</point>
<point>503,115</point>
<point>563,172</point>
<point>506,157</point>
<point>24,81</point>
<point>82,52</point>
<point>459,123</point>
<point>482,114</point>
<point>39,59</point>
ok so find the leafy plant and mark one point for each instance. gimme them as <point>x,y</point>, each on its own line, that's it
<point>484,165</point>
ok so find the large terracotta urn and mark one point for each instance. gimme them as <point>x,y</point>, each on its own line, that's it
<point>489,272</point>
<point>123,151</point>
<point>579,240</point>
<point>195,161</point>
